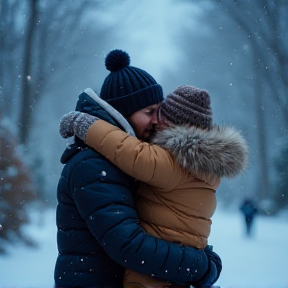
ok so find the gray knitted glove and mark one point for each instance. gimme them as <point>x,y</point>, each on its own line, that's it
<point>75,123</point>
<point>66,124</point>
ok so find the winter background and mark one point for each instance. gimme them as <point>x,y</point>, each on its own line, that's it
<point>259,261</point>
<point>235,49</point>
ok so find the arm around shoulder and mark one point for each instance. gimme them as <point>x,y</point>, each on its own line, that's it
<point>144,162</point>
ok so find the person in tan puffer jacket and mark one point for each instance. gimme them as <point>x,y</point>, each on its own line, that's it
<point>178,172</point>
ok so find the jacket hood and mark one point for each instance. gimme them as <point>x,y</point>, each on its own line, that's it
<point>219,152</point>
<point>89,102</point>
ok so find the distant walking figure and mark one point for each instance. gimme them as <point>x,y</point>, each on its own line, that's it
<point>249,210</point>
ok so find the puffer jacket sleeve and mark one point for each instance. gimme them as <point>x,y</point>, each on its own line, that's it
<point>105,202</point>
<point>144,162</point>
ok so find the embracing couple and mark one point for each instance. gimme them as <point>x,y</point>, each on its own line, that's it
<point>137,192</point>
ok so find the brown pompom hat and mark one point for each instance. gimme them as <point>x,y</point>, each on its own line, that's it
<point>188,105</point>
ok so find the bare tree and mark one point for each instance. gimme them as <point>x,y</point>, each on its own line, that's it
<point>26,85</point>
<point>265,24</point>
<point>9,44</point>
<point>49,31</point>
<point>36,35</point>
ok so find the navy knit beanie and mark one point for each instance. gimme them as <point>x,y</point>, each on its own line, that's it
<point>128,89</point>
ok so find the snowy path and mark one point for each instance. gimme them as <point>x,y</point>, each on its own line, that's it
<point>259,262</point>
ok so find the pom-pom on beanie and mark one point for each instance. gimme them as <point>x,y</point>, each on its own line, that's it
<point>188,105</point>
<point>128,89</point>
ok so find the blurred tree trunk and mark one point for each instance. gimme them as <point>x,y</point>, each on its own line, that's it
<point>277,13</point>
<point>262,185</point>
<point>26,87</point>
<point>8,42</point>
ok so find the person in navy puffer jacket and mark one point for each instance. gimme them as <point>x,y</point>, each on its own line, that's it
<point>98,228</point>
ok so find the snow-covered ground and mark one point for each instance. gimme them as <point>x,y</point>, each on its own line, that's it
<point>256,262</point>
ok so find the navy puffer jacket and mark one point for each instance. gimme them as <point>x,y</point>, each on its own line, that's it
<point>98,229</point>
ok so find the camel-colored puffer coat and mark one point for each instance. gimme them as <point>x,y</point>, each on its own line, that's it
<point>176,197</point>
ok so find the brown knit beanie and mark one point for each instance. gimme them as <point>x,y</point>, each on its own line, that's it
<point>188,105</point>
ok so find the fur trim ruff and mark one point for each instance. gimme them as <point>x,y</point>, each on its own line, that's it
<point>219,152</point>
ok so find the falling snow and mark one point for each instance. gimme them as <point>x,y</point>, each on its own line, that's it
<point>255,262</point>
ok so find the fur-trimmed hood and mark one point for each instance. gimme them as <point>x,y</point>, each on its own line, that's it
<point>219,152</point>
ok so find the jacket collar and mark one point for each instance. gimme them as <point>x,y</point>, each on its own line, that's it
<point>219,152</point>
<point>89,102</point>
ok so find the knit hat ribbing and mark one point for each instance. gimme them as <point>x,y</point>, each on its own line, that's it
<point>188,105</point>
<point>127,88</point>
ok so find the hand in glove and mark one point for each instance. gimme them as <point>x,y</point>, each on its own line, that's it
<point>214,269</point>
<point>75,123</point>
